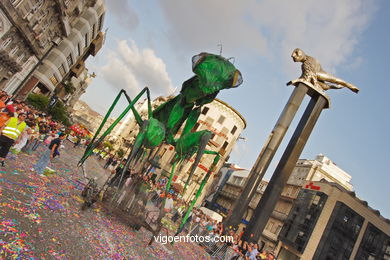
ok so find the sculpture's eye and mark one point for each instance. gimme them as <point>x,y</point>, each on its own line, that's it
<point>237,79</point>
<point>197,59</point>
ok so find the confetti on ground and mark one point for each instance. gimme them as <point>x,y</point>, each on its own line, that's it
<point>41,216</point>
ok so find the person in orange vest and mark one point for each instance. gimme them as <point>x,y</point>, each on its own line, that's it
<point>6,114</point>
<point>10,134</point>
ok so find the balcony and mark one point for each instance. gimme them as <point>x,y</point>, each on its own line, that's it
<point>77,69</point>
<point>9,62</point>
<point>287,198</point>
<point>229,195</point>
<point>96,44</point>
<point>279,215</point>
<point>271,236</point>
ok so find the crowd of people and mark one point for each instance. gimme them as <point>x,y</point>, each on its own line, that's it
<point>153,190</point>
<point>24,128</point>
<point>243,249</point>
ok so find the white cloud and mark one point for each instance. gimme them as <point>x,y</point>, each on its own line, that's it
<point>327,30</point>
<point>203,24</point>
<point>123,13</point>
<point>132,69</point>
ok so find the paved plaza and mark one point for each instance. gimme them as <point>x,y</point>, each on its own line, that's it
<point>41,216</point>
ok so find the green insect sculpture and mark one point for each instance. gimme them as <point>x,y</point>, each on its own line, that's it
<point>213,73</point>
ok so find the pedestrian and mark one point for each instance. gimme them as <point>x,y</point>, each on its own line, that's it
<point>7,113</point>
<point>41,165</point>
<point>253,251</point>
<point>10,134</point>
<point>3,99</point>
<point>25,136</point>
<point>76,144</point>
<point>109,161</point>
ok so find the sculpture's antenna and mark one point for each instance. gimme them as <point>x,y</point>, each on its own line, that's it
<point>232,58</point>
<point>220,49</point>
<point>173,91</point>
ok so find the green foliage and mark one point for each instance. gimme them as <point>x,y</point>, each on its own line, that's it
<point>59,113</point>
<point>38,101</point>
<point>120,153</point>
<point>69,88</point>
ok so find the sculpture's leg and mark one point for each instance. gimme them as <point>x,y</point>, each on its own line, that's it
<point>137,144</point>
<point>130,106</point>
<point>204,181</point>
<point>204,139</point>
<point>330,78</point>
<point>191,120</point>
<point>178,114</point>
<point>89,148</point>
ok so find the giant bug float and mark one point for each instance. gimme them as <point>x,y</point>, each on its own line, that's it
<point>213,73</point>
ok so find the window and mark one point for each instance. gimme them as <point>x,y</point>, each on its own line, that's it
<point>234,129</point>
<point>93,30</point>
<point>69,60</point>
<point>6,43</point>
<point>54,80</point>
<point>205,110</point>
<point>79,49</point>
<point>20,58</point>
<point>62,69</point>
<point>86,40</point>
<point>375,244</point>
<point>341,233</point>
<point>225,144</point>
<point>221,119</point>
<point>14,51</point>
<point>196,126</point>
<point>298,226</point>
<point>15,2</point>
<point>100,22</point>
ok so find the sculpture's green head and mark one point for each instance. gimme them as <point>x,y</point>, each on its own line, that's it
<point>216,72</point>
<point>213,73</point>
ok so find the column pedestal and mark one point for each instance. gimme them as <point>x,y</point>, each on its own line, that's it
<point>271,195</point>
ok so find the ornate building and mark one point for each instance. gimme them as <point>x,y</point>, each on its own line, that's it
<point>227,124</point>
<point>61,34</point>
<point>15,54</point>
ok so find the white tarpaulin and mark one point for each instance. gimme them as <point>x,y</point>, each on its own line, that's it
<point>212,214</point>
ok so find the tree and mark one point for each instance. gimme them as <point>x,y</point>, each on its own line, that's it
<point>59,113</point>
<point>69,87</point>
<point>38,101</point>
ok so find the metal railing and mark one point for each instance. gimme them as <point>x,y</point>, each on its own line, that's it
<point>217,250</point>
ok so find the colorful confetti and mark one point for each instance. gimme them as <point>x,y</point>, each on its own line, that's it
<point>41,217</point>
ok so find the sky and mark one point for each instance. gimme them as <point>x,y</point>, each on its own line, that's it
<point>151,43</point>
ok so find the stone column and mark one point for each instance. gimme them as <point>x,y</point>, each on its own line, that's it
<point>286,164</point>
<point>266,155</point>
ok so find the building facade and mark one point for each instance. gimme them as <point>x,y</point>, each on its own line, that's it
<point>226,124</point>
<point>84,115</point>
<point>61,35</point>
<point>16,56</point>
<point>305,170</point>
<point>329,222</point>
